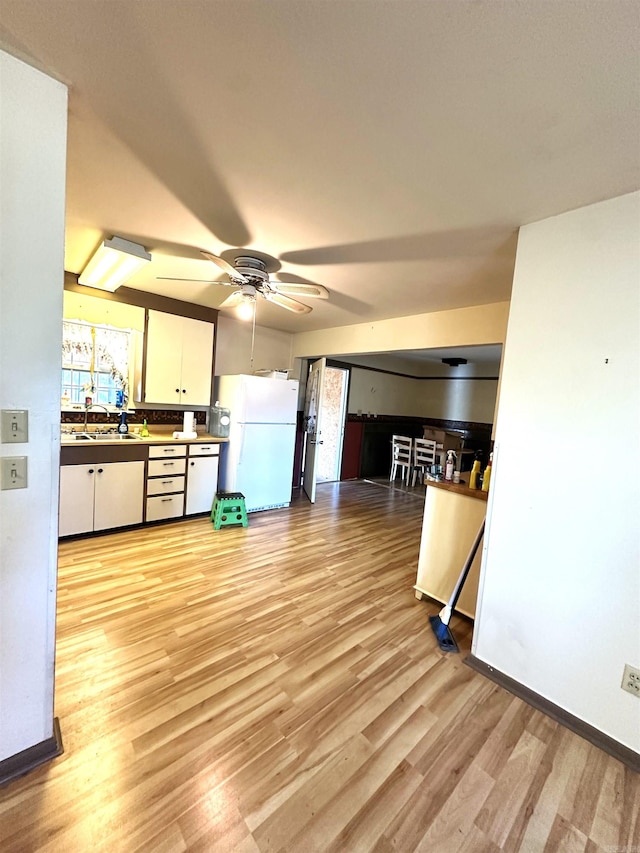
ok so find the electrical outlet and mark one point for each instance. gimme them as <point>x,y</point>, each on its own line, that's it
<point>631,680</point>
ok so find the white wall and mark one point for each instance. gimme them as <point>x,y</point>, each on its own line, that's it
<point>560,590</point>
<point>33,118</point>
<point>272,349</point>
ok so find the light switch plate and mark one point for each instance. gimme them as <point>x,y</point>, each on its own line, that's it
<point>14,426</point>
<point>13,472</point>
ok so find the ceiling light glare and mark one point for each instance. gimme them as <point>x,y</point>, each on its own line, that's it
<point>245,309</point>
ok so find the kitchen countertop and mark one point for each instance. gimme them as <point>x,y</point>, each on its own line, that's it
<point>155,437</point>
<point>458,488</point>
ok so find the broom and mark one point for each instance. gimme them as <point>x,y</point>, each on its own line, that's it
<point>440,623</point>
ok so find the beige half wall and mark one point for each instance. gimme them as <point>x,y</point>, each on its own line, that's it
<point>475,326</point>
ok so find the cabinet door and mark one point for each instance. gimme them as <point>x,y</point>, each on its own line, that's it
<point>119,494</point>
<point>76,499</point>
<point>197,362</point>
<point>164,358</point>
<point>179,360</point>
<point>202,482</point>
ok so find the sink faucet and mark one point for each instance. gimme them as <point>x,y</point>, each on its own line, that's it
<point>93,406</point>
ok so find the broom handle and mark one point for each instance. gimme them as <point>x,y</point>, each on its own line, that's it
<point>466,569</point>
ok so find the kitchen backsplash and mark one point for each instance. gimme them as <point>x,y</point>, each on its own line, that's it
<point>164,417</point>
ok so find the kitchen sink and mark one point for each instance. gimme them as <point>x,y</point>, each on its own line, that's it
<point>115,436</point>
<point>101,436</point>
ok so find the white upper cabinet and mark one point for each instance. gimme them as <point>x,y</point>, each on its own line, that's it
<point>179,360</point>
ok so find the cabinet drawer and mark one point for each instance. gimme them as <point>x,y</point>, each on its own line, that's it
<point>204,450</point>
<point>164,485</point>
<point>170,467</point>
<point>166,451</point>
<point>164,506</point>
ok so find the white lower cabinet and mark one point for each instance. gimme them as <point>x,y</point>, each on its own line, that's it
<point>165,481</point>
<point>181,479</point>
<point>202,477</point>
<point>165,506</point>
<point>163,485</point>
<point>100,496</point>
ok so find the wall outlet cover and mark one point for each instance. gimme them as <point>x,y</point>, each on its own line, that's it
<point>631,680</point>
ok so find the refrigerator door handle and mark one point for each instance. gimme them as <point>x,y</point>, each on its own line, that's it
<point>241,453</point>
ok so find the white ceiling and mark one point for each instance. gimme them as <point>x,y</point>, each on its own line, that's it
<point>481,361</point>
<point>387,150</point>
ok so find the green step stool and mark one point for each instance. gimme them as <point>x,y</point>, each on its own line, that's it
<point>229,508</point>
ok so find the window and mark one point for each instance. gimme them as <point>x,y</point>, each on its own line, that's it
<point>95,363</point>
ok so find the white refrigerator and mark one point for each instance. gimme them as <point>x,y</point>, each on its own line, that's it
<point>258,459</point>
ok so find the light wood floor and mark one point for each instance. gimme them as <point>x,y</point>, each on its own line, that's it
<point>279,689</point>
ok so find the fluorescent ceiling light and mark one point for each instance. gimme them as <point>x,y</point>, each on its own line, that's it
<point>114,262</point>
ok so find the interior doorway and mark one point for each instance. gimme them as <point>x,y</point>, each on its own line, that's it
<point>334,409</point>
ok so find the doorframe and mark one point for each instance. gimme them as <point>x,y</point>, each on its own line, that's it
<point>342,365</point>
<point>304,372</point>
<point>344,368</point>
<point>333,362</point>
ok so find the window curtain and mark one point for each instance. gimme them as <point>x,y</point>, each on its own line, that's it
<point>98,349</point>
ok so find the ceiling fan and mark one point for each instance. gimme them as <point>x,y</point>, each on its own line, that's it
<point>249,273</point>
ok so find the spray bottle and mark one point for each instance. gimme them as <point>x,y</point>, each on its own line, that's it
<point>487,475</point>
<point>123,427</point>
<point>475,471</point>
<point>450,464</point>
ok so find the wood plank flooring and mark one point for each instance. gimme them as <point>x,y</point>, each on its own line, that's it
<point>278,689</point>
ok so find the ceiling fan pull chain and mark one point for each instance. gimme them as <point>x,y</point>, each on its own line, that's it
<point>253,332</point>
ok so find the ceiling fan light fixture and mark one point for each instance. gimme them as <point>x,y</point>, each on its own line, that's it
<point>114,262</point>
<point>247,304</point>
<point>250,273</point>
<point>246,308</point>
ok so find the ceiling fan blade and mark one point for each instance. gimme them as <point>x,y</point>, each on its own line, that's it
<point>233,300</point>
<point>233,274</point>
<point>312,291</point>
<point>286,302</point>
<point>199,280</point>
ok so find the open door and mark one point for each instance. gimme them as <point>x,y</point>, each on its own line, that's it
<point>333,417</point>
<point>313,426</point>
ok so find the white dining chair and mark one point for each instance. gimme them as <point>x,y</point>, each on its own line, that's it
<point>423,456</point>
<point>401,452</point>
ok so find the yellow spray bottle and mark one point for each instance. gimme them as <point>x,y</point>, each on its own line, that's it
<point>487,475</point>
<point>475,471</point>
